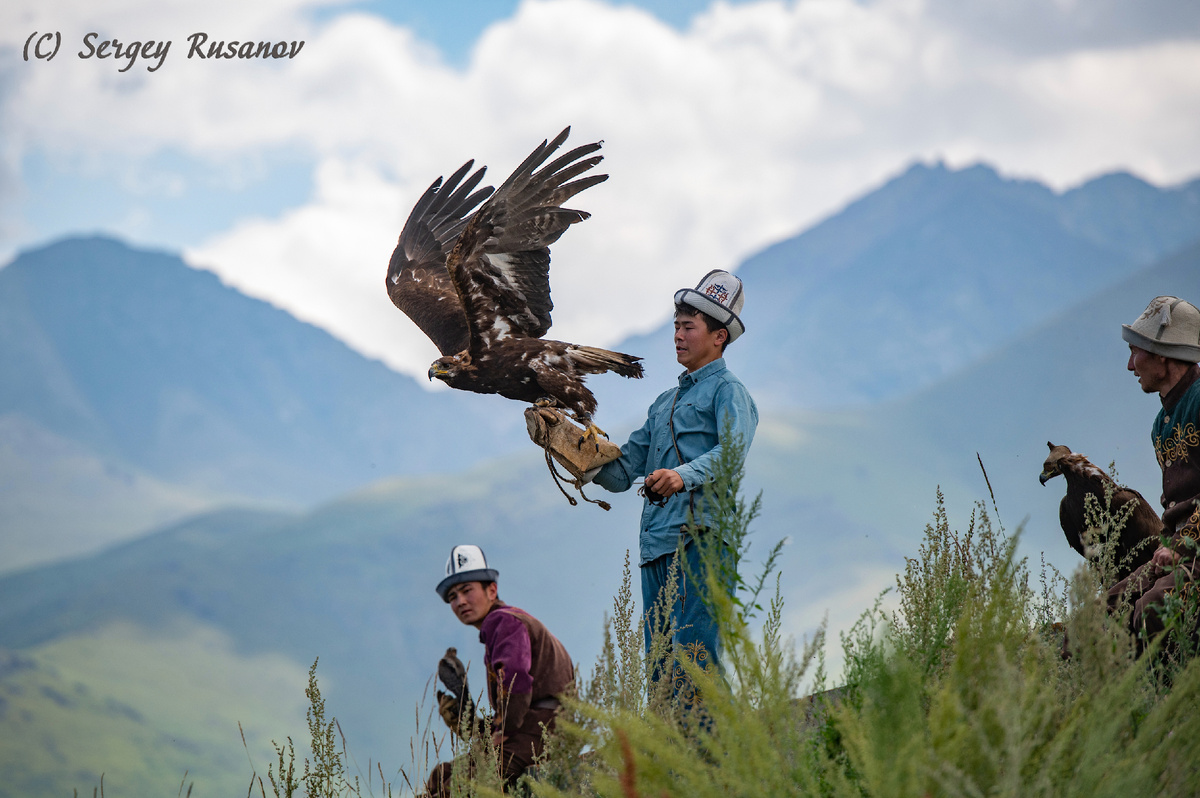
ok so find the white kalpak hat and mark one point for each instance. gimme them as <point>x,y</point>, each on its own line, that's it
<point>719,295</point>
<point>1169,327</point>
<point>466,564</point>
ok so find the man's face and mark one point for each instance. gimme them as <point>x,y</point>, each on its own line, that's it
<point>695,346</point>
<point>471,601</point>
<point>1149,368</point>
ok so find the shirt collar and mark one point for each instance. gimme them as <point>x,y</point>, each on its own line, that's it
<point>1175,394</point>
<point>688,379</point>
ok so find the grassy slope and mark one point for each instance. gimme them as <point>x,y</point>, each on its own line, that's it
<point>351,582</point>
<point>142,709</point>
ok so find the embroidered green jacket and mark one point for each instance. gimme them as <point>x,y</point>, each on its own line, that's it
<point>1176,437</point>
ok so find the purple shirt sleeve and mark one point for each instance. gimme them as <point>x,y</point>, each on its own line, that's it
<point>509,660</point>
<point>509,654</point>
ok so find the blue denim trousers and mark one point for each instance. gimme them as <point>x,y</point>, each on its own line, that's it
<point>695,630</point>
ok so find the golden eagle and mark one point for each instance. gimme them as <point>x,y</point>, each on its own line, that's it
<point>1138,538</point>
<point>477,282</point>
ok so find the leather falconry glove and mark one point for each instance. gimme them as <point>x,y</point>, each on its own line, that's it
<point>562,438</point>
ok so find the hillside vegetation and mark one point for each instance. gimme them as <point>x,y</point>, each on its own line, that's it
<point>143,711</point>
<point>986,679</point>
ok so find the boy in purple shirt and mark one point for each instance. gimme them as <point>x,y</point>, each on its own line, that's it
<point>527,667</point>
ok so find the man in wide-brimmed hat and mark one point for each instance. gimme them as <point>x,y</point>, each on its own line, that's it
<point>1164,348</point>
<point>675,452</point>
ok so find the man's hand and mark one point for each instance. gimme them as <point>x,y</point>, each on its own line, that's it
<point>1164,557</point>
<point>665,482</point>
<point>550,429</point>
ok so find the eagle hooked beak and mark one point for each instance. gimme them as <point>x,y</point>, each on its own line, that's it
<point>1046,476</point>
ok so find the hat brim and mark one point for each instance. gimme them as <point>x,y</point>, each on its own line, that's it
<point>693,298</point>
<point>478,575</point>
<point>1188,353</point>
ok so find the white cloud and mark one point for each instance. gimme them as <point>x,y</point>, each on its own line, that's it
<point>752,123</point>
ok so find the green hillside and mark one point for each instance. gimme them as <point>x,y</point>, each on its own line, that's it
<point>350,582</point>
<point>146,711</point>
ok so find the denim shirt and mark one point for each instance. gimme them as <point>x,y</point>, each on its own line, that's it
<point>706,397</point>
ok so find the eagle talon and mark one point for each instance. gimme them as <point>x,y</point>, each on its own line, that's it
<point>592,433</point>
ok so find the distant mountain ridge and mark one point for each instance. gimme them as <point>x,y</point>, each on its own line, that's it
<point>154,385</point>
<point>160,366</point>
<point>922,276</point>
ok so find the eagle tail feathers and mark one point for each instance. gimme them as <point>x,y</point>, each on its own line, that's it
<point>593,360</point>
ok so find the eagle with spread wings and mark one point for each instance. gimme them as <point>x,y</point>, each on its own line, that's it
<point>472,270</point>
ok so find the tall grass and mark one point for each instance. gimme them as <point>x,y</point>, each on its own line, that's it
<point>981,682</point>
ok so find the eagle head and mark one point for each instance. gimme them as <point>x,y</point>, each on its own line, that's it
<point>1051,468</point>
<point>449,367</point>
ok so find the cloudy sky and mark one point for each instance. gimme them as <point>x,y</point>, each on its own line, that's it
<point>727,126</point>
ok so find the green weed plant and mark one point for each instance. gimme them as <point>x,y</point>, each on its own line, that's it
<point>976,684</point>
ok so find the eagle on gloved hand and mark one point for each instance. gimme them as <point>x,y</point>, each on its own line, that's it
<point>477,282</point>
<point>453,706</point>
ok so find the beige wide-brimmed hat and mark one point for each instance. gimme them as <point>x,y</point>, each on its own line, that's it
<point>1168,326</point>
<point>720,295</point>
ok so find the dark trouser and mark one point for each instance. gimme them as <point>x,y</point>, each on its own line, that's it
<point>1147,587</point>
<point>517,752</point>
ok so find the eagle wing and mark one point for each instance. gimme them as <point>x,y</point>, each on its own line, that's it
<point>501,262</point>
<point>417,280</point>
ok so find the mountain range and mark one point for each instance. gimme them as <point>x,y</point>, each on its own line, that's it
<point>147,390</point>
<point>925,275</point>
<point>258,590</point>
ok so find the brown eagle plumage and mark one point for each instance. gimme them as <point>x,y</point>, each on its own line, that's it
<point>1138,539</point>
<point>477,281</point>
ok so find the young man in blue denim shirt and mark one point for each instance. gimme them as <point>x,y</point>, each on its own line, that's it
<point>676,451</point>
